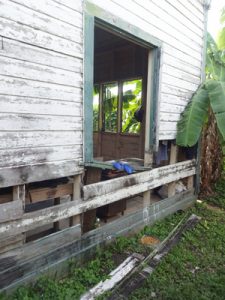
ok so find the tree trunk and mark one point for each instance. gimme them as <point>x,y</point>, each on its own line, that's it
<point>211,156</point>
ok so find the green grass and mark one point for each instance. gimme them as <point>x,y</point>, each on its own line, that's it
<point>218,199</point>
<point>194,269</point>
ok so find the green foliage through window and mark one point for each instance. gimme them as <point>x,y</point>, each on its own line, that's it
<point>113,115</point>
<point>110,107</point>
<point>131,102</point>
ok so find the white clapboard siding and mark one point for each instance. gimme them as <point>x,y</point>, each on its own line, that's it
<point>26,70</point>
<point>193,7</point>
<point>74,4</point>
<point>38,122</point>
<point>173,99</point>
<point>28,156</point>
<point>161,19</point>
<point>179,64</point>
<point>55,10</point>
<point>167,135</point>
<point>169,117</point>
<point>34,36</point>
<point>120,9</point>
<point>24,52</point>
<point>186,57</point>
<point>186,8</point>
<point>168,35</point>
<point>41,81</point>
<point>175,91</point>
<point>177,15</point>
<point>167,125</point>
<point>26,16</point>
<point>179,83</point>
<point>37,89</point>
<point>27,139</point>
<point>26,105</point>
<point>173,71</point>
<point>171,108</point>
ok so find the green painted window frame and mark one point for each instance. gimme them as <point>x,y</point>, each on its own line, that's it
<point>96,16</point>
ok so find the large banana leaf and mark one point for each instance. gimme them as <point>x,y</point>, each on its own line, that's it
<point>216,92</point>
<point>190,125</point>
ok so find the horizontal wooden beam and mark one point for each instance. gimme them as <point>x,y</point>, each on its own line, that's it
<point>31,173</point>
<point>158,174</point>
<point>159,177</point>
<point>21,269</point>
<point>11,211</point>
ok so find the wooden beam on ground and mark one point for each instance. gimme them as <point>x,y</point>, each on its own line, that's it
<point>153,259</point>
<point>114,277</point>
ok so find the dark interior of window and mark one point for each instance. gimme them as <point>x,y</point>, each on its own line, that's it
<point>119,99</point>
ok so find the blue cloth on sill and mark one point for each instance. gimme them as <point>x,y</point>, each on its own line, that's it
<point>123,167</point>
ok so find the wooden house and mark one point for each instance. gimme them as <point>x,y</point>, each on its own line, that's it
<point>85,84</point>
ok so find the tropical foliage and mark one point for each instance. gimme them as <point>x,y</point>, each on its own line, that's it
<point>210,95</point>
<point>131,96</point>
<point>206,114</point>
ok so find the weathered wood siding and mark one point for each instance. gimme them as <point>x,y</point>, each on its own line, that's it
<point>41,79</point>
<point>179,24</point>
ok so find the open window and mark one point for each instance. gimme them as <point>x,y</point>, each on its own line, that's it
<point>119,96</point>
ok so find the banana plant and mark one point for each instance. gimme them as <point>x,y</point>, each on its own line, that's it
<point>210,95</point>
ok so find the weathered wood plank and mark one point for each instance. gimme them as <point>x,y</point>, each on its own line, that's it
<point>180,74</point>
<point>31,53</point>
<point>112,193</point>
<point>32,71</point>
<point>23,271</point>
<point>75,5</point>
<point>173,160</point>
<point>29,156</point>
<point>23,122</point>
<point>13,11</point>
<point>37,89</point>
<point>76,196</point>
<point>179,83</point>
<point>11,211</point>
<point>27,105</point>
<point>33,36</point>
<point>53,9</point>
<point>179,63</point>
<point>103,188</point>
<point>39,172</point>
<point>160,23</point>
<point>114,277</point>
<point>37,139</point>
<point>166,12</point>
<point>37,195</point>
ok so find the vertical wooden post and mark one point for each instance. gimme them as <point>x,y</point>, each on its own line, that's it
<point>93,175</point>
<point>190,182</point>
<point>19,193</point>
<point>57,224</point>
<point>76,197</point>
<point>173,160</point>
<point>148,155</point>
